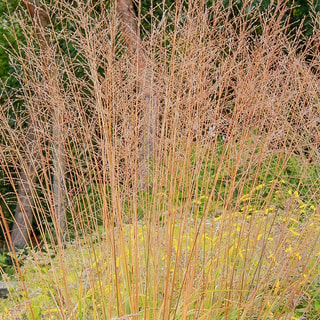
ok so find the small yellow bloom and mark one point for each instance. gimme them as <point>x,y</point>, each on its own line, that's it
<point>95,264</point>
<point>298,255</point>
<point>107,289</point>
<point>294,220</point>
<point>294,232</point>
<point>89,293</point>
<point>245,197</point>
<point>51,310</point>
<point>268,210</point>
<point>250,208</point>
<point>289,249</point>
<point>270,255</point>
<point>259,187</point>
<point>277,286</point>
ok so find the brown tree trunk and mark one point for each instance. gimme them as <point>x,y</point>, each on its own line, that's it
<point>20,233</point>
<point>23,213</point>
<point>130,33</point>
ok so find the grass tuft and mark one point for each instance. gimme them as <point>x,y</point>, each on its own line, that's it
<point>222,221</point>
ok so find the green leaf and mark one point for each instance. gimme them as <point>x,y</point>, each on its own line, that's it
<point>317,305</point>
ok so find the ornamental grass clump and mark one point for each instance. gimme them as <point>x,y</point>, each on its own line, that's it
<point>217,218</point>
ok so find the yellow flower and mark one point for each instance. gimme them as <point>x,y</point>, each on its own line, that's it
<point>245,197</point>
<point>269,210</point>
<point>289,249</point>
<point>259,187</point>
<point>294,220</point>
<point>294,232</point>
<point>298,255</point>
<point>95,263</point>
<point>270,255</point>
<point>277,286</point>
<point>51,310</point>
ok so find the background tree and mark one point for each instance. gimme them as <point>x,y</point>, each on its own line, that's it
<point>131,34</point>
<point>10,35</point>
<point>22,225</point>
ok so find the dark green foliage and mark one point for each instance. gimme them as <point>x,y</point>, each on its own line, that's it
<point>8,42</point>
<point>6,263</point>
<point>153,11</point>
<point>7,38</point>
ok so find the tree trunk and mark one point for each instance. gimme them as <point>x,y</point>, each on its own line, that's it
<point>130,32</point>
<point>58,188</point>
<point>20,233</point>
<point>23,213</point>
